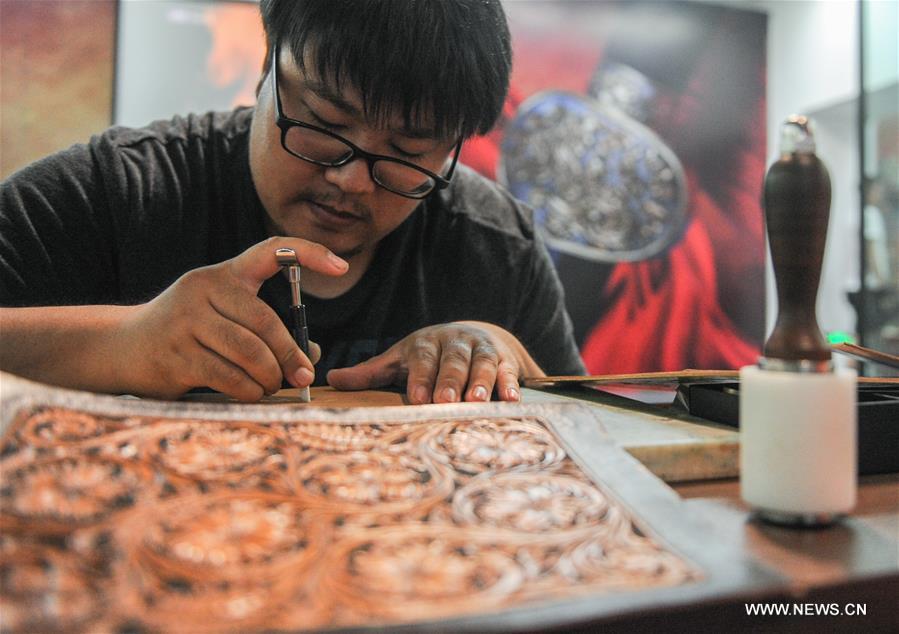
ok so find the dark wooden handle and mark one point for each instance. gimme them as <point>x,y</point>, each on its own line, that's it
<point>797,208</point>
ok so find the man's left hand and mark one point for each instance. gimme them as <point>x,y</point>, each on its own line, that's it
<point>462,360</point>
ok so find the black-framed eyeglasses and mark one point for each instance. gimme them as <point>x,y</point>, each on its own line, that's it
<point>322,147</point>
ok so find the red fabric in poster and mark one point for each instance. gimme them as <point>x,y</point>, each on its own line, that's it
<point>665,312</point>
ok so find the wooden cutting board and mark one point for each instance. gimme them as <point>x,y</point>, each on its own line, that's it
<point>676,447</point>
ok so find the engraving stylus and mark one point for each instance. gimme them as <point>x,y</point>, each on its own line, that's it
<point>287,258</point>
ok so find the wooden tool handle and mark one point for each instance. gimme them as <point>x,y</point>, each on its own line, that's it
<point>797,208</point>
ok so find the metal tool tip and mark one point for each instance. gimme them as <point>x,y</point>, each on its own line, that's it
<point>286,257</point>
<point>797,135</point>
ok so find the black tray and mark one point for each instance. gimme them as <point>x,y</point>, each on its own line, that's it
<point>878,418</point>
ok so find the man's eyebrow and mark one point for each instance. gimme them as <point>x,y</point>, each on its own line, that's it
<point>327,93</point>
<point>419,133</point>
<point>324,91</point>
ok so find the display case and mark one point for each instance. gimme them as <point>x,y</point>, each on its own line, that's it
<point>877,300</point>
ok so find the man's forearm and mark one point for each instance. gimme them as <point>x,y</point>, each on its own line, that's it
<point>70,346</point>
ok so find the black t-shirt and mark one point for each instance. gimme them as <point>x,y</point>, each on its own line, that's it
<point>118,220</point>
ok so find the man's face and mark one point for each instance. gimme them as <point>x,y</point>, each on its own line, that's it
<point>340,207</point>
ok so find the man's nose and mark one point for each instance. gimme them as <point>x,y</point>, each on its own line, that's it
<point>353,177</point>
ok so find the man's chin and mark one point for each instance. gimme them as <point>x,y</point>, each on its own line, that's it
<point>344,246</point>
<point>347,254</point>
<point>342,250</point>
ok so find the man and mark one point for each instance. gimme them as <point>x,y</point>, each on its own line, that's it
<point>144,262</point>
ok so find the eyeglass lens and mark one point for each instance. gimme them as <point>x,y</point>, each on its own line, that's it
<point>322,148</point>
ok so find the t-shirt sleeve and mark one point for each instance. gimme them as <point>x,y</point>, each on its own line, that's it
<point>542,323</point>
<point>55,233</point>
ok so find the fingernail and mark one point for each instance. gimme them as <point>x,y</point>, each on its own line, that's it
<point>303,377</point>
<point>448,394</point>
<point>420,394</point>
<point>512,394</point>
<point>340,263</point>
<point>479,393</point>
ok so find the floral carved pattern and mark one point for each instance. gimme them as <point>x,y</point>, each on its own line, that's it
<point>188,525</point>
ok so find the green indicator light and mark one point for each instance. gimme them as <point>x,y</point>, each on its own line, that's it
<point>839,336</point>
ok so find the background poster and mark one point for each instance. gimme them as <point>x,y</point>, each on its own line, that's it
<point>652,79</point>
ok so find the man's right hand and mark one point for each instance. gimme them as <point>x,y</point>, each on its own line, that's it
<point>208,329</point>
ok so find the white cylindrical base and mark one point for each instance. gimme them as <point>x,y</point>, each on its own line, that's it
<point>798,443</point>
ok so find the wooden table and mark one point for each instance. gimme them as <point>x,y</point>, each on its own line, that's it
<point>853,562</point>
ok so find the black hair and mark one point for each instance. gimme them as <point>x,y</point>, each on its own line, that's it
<point>442,64</point>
